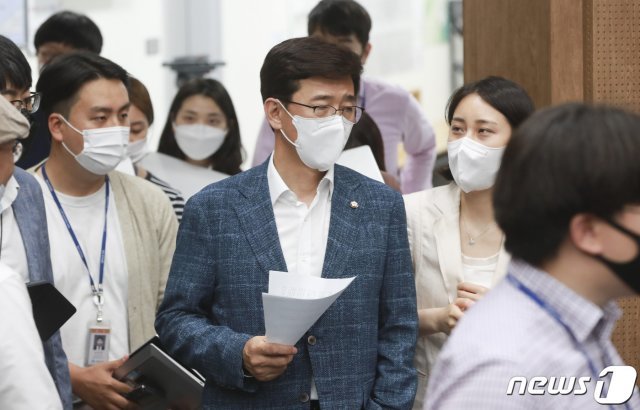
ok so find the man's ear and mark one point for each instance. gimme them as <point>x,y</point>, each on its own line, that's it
<point>585,232</point>
<point>274,112</point>
<point>55,123</point>
<point>365,53</point>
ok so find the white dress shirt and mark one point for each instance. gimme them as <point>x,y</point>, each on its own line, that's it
<point>302,230</point>
<point>25,383</point>
<point>12,251</point>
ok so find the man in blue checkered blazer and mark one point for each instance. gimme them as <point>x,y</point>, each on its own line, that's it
<point>297,212</point>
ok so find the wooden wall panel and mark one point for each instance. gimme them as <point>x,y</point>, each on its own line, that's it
<point>566,51</point>
<point>612,31</point>
<point>509,38</point>
<point>612,76</point>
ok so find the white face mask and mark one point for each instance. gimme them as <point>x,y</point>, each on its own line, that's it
<point>474,166</point>
<point>320,140</point>
<point>137,150</point>
<point>103,149</point>
<point>199,141</point>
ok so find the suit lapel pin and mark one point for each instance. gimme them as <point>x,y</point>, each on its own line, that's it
<point>354,204</point>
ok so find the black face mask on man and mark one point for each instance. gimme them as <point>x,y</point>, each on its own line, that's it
<point>628,272</point>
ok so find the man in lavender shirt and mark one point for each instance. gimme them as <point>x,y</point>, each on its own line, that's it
<point>567,198</point>
<point>397,114</point>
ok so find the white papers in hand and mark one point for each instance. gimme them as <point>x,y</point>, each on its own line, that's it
<point>295,302</point>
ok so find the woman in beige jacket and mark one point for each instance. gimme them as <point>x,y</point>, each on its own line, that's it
<point>457,248</point>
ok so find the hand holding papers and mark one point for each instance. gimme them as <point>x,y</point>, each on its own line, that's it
<point>295,302</point>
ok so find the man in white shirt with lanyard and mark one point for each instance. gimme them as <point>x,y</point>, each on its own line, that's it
<point>112,236</point>
<point>567,197</point>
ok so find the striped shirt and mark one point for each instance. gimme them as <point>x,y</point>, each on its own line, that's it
<point>508,334</point>
<point>175,196</point>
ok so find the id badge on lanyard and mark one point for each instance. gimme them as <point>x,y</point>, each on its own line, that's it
<point>99,334</point>
<point>99,331</point>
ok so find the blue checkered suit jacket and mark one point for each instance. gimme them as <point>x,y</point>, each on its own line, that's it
<point>228,242</point>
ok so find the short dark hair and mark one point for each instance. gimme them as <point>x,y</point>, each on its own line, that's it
<point>228,157</point>
<point>301,58</point>
<point>73,29</point>
<point>366,132</point>
<point>340,18</point>
<point>61,79</point>
<point>139,96</point>
<point>505,96</point>
<point>563,161</point>
<point>14,67</point>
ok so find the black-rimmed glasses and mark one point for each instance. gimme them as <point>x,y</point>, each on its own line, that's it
<point>30,103</point>
<point>352,113</point>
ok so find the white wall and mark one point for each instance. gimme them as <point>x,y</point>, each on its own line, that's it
<point>241,32</point>
<point>401,52</point>
<point>128,27</point>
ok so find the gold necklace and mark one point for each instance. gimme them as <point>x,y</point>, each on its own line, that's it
<point>472,240</point>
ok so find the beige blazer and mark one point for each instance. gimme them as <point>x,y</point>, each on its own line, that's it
<point>434,238</point>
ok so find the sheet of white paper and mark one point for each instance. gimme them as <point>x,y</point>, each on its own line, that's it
<point>126,167</point>
<point>295,302</point>
<point>361,159</point>
<point>187,178</point>
<point>298,286</point>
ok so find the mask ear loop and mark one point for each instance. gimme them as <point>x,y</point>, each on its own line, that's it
<point>76,130</point>
<point>624,270</point>
<point>628,232</point>
<point>69,124</point>
<point>282,131</point>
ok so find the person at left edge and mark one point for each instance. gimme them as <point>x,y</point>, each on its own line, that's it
<point>25,382</point>
<point>297,212</point>
<point>22,214</point>
<point>93,210</point>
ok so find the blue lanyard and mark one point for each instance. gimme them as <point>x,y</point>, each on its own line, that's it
<point>556,316</point>
<point>97,293</point>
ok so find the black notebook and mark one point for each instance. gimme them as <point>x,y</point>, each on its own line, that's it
<point>50,308</point>
<point>159,381</point>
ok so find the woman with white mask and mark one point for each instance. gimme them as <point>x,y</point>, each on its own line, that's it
<point>200,143</point>
<point>140,119</point>
<point>457,248</point>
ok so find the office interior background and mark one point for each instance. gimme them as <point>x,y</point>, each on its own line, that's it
<point>558,49</point>
<point>415,44</point>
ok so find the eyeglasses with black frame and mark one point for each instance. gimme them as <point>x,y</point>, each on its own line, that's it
<point>30,103</point>
<point>352,113</point>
